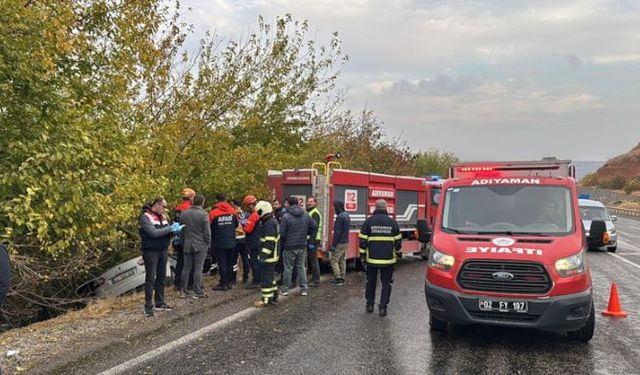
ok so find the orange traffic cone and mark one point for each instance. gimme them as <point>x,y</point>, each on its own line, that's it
<point>614,308</point>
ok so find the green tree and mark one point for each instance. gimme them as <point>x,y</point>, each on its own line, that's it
<point>434,162</point>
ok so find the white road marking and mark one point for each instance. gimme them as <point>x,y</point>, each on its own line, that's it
<point>625,260</point>
<point>133,363</point>
<point>628,245</point>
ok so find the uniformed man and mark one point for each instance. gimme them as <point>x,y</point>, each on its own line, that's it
<point>312,254</point>
<point>269,253</point>
<point>380,247</point>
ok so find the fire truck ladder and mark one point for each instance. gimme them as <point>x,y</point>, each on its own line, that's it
<point>321,187</point>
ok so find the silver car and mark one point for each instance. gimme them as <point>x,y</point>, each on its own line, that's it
<point>123,278</point>
<point>591,210</point>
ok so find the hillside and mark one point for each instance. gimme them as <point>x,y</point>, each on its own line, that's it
<point>621,172</point>
<point>626,165</point>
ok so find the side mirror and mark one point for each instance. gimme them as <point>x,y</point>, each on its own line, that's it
<point>597,234</point>
<point>424,233</point>
<point>614,218</point>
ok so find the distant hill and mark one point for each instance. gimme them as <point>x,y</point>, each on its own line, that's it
<point>625,165</point>
<point>620,172</point>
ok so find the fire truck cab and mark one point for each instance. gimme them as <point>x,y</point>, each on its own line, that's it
<point>509,249</point>
<point>412,201</point>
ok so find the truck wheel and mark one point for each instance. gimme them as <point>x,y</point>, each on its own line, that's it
<point>437,324</point>
<point>612,249</point>
<point>585,333</point>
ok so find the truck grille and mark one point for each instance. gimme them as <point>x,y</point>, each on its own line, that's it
<point>504,317</point>
<point>529,278</point>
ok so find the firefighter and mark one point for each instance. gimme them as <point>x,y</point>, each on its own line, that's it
<point>187,196</point>
<point>380,246</point>
<point>269,256</point>
<point>314,214</point>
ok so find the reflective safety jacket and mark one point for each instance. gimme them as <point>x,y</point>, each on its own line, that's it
<point>269,240</point>
<point>380,239</point>
<point>315,214</point>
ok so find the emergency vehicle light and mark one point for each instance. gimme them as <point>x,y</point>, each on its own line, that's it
<point>476,169</point>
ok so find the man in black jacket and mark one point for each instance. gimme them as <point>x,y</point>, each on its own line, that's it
<point>380,245</point>
<point>5,273</point>
<point>294,229</point>
<point>340,243</point>
<point>224,221</point>
<point>315,215</point>
<point>156,234</point>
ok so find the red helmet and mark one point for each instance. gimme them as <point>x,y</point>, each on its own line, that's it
<point>249,199</point>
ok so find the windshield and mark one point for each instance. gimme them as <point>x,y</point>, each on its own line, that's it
<point>508,209</point>
<point>594,213</point>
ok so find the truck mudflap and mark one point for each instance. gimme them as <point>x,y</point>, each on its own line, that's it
<point>558,314</point>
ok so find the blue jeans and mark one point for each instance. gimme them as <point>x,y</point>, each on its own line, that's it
<point>295,259</point>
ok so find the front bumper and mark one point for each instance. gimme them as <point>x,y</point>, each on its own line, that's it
<point>561,313</point>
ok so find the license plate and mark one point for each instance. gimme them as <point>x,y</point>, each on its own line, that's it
<point>503,306</point>
<point>123,275</point>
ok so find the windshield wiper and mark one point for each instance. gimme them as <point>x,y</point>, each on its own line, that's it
<point>536,234</point>
<point>457,231</point>
<point>505,232</point>
<point>516,233</point>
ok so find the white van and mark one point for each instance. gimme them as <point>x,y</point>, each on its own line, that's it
<point>593,210</point>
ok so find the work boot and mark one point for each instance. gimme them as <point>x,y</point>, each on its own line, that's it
<point>148,311</point>
<point>221,288</point>
<point>382,311</point>
<point>164,307</point>
<point>201,294</point>
<point>369,308</point>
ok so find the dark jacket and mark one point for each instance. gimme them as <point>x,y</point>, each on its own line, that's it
<point>269,239</point>
<point>295,226</point>
<point>197,232</point>
<point>5,273</point>
<point>380,239</point>
<point>224,220</point>
<point>155,231</point>
<point>341,225</point>
<point>252,230</point>
<point>183,206</point>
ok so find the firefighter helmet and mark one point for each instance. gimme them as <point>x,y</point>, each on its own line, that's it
<point>249,199</point>
<point>188,193</point>
<point>263,208</point>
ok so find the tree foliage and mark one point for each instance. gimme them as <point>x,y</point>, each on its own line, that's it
<point>434,162</point>
<point>103,107</point>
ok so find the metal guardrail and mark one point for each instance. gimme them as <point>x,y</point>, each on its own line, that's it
<point>623,211</point>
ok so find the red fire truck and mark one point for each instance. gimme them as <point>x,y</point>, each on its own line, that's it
<point>412,201</point>
<point>509,249</point>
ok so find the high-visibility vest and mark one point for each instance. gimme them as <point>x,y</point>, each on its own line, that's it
<point>315,210</point>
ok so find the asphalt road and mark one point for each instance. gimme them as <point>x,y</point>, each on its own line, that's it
<point>329,332</point>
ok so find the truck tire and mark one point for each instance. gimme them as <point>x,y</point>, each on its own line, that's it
<point>612,249</point>
<point>437,324</point>
<point>585,333</point>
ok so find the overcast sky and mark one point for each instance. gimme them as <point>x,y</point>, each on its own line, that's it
<point>485,79</point>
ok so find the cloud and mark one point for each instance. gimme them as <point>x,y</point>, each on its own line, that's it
<point>467,65</point>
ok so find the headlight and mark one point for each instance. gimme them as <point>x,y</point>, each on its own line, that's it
<point>571,266</point>
<point>441,261</point>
